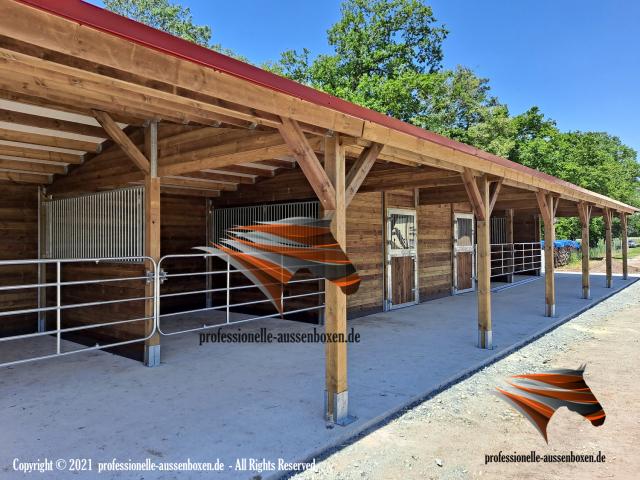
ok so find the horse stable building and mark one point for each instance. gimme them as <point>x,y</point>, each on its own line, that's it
<point>123,148</point>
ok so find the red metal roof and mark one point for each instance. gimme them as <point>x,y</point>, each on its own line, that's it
<point>95,17</point>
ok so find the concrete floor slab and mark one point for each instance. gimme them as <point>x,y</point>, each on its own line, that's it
<point>230,401</point>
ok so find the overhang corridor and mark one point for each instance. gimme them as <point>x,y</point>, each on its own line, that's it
<point>120,144</point>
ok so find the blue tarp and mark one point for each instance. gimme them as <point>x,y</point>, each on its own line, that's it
<point>564,243</point>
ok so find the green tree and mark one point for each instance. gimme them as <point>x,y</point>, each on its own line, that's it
<point>170,17</point>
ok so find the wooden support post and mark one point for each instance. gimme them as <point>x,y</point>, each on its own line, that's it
<point>608,240</point>
<point>625,245</point>
<point>547,210</point>
<point>152,239</point>
<point>336,400</point>
<point>484,264</point>
<point>584,210</point>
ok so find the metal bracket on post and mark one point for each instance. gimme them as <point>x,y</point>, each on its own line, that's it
<point>152,355</point>
<point>550,310</point>
<point>162,276</point>
<point>485,339</point>
<point>340,415</point>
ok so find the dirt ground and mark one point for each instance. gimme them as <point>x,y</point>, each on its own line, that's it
<point>448,436</point>
<point>598,266</point>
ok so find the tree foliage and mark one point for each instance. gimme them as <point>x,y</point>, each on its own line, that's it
<point>170,17</point>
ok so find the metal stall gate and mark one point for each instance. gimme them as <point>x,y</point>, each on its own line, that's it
<point>90,289</point>
<point>216,293</point>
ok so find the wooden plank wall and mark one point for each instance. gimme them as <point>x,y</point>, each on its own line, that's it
<point>435,267</point>
<point>18,240</point>
<point>183,226</point>
<point>365,236</point>
<point>100,292</point>
<point>526,228</point>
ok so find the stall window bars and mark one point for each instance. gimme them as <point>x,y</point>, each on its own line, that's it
<point>105,224</point>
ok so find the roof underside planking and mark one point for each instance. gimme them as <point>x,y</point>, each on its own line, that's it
<point>223,124</point>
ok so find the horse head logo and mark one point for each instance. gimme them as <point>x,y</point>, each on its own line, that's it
<point>269,254</point>
<point>538,395</point>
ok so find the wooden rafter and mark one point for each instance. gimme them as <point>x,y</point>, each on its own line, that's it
<point>48,140</point>
<point>543,206</point>
<point>495,191</point>
<point>251,148</point>
<point>25,177</point>
<point>584,212</point>
<point>309,163</point>
<point>360,169</point>
<point>32,167</point>
<point>38,121</point>
<point>473,192</point>
<point>38,154</point>
<point>121,139</point>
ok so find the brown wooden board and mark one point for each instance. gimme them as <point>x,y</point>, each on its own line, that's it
<point>18,240</point>
<point>402,280</point>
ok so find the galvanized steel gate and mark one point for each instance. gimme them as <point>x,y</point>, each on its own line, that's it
<point>72,231</point>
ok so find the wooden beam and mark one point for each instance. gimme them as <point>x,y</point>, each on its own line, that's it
<point>335,299</point>
<point>48,140</point>
<point>495,191</point>
<point>222,177</point>
<point>278,163</point>
<point>48,123</point>
<point>625,245</point>
<point>39,154</point>
<point>32,167</point>
<point>541,197</point>
<point>608,241</point>
<point>484,264</point>
<point>309,163</point>
<point>360,169</point>
<point>475,197</point>
<point>152,234</point>
<point>197,183</point>
<point>547,209</point>
<point>584,211</point>
<point>190,192</point>
<point>247,170</point>
<point>121,139</point>
<point>252,148</point>
<point>16,177</point>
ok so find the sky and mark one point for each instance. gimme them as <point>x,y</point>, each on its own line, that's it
<point>578,60</point>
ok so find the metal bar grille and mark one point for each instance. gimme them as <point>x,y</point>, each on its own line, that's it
<point>508,258</point>
<point>225,218</point>
<point>100,225</point>
<point>498,230</point>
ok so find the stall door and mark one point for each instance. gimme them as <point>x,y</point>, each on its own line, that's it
<point>401,258</point>
<point>463,251</point>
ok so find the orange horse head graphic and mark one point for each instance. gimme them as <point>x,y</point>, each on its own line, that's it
<point>538,395</point>
<point>269,254</point>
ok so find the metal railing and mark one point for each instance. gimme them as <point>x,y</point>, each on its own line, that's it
<point>510,258</point>
<point>225,283</point>
<point>58,306</point>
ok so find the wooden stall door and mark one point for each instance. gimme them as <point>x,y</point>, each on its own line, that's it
<point>401,258</point>
<point>463,249</point>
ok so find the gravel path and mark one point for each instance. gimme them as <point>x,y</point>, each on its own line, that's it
<point>448,436</point>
